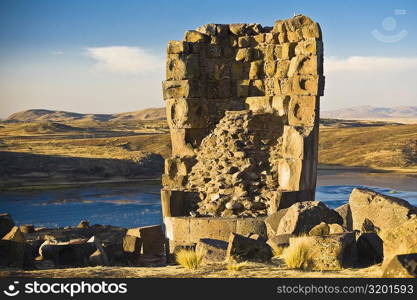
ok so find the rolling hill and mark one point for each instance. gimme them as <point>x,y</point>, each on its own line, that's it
<point>39,115</point>
<point>372,113</point>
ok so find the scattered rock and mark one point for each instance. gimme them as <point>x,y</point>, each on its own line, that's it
<point>301,217</point>
<point>345,212</point>
<point>241,248</point>
<point>282,240</point>
<point>400,240</point>
<point>370,249</point>
<point>272,222</point>
<point>83,224</point>
<point>401,266</point>
<point>336,228</point>
<point>332,252</point>
<point>27,228</point>
<point>320,230</point>
<point>214,250</point>
<point>15,235</point>
<point>132,246</point>
<point>152,237</point>
<point>382,211</point>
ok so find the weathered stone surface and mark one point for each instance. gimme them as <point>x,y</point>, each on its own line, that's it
<point>400,240</point>
<point>152,237</point>
<point>303,216</point>
<point>401,266</point>
<point>246,226</point>
<point>15,235</point>
<point>66,253</point>
<point>320,230</point>
<point>214,250</point>
<point>27,228</point>
<point>241,248</point>
<point>370,249</point>
<point>178,203</point>
<point>6,224</point>
<point>333,252</point>
<point>337,228</point>
<point>383,211</point>
<point>83,224</point>
<point>242,105</point>
<point>272,222</point>
<point>281,240</point>
<point>132,246</point>
<point>346,214</point>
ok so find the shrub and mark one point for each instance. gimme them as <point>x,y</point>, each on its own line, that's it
<point>298,255</point>
<point>189,259</point>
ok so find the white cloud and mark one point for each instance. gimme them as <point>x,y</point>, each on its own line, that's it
<point>369,63</point>
<point>369,80</point>
<point>123,59</point>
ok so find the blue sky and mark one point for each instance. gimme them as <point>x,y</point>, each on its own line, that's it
<point>105,56</point>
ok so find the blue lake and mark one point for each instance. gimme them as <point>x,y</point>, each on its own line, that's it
<point>126,205</point>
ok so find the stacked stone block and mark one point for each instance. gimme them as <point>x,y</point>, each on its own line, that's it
<point>242,105</point>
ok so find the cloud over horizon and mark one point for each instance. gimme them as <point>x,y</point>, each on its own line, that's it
<point>124,59</point>
<point>369,63</point>
<point>369,80</point>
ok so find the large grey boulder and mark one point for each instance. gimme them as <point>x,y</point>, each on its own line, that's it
<point>401,266</point>
<point>242,248</point>
<point>346,214</point>
<point>384,212</point>
<point>301,217</point>
<point>214,250</point>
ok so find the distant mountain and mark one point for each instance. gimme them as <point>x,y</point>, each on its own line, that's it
<point>38,115</point>
<point>371,112</point>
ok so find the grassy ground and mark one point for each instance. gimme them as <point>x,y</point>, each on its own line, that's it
<point>251,270</point>
<point>45,153</point>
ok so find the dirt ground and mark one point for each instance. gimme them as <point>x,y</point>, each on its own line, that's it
<point>249,270</point>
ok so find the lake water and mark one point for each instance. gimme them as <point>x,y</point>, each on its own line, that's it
<point>137,205</point>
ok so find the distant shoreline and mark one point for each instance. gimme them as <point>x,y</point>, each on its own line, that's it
<point>405,179</point>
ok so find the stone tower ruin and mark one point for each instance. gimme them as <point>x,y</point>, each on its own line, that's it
<point>242,104</point>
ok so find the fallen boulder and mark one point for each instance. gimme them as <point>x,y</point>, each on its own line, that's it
<point>401,266</point>
<point>272,222</point>
<point>241,248</point>
<point>336,228</point>
<point>27,228</point>
<point>132,246</point>
<point>319,230</point>
<point>345,212</point>
<point>153,239</point>
<point>332,252</point>
<point>301,217</point>
<point>6,224</point>
<point>384,212</point>
<point>400,240</point>
<point>214,250</point>
<point>15,235</point>
<point>370,249</point>
<point>67,254</point>
<point>280,241</point>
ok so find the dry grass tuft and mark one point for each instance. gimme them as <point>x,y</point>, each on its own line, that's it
<point>235,267</point>
<point>189,259</point>
<point>299,254</point>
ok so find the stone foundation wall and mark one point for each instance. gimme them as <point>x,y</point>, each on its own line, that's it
<point>242,104</point>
